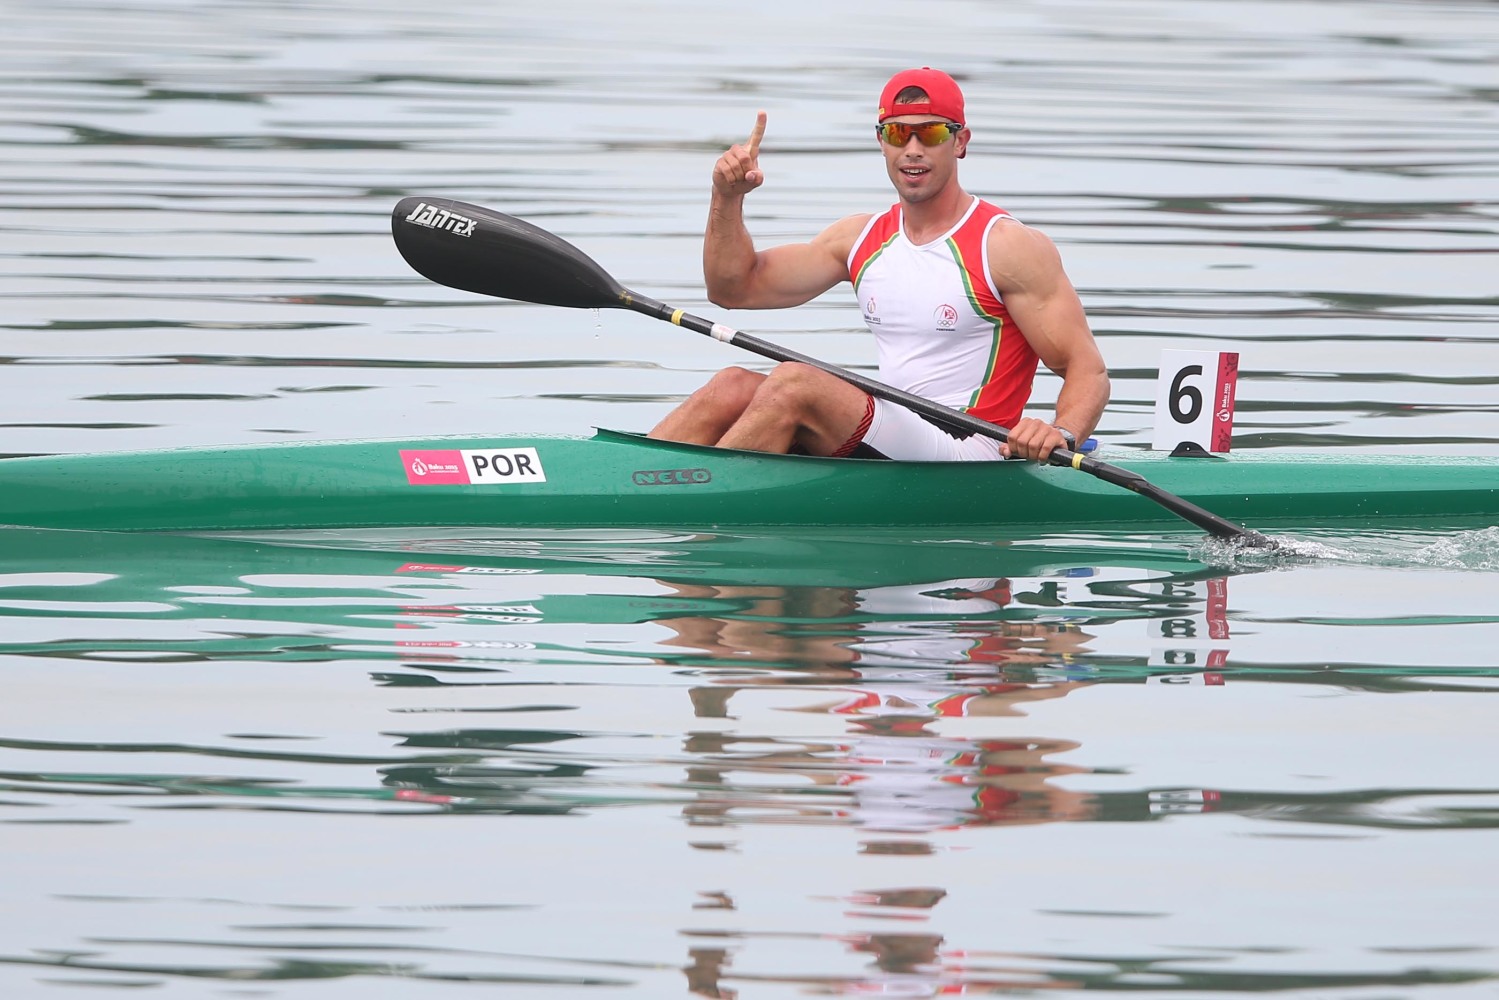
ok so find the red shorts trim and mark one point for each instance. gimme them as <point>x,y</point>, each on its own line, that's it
<point>857,438</point>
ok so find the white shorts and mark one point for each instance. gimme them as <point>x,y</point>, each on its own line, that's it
<point>906,436</point>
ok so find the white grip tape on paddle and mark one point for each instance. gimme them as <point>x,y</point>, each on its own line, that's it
<point>721,332</point>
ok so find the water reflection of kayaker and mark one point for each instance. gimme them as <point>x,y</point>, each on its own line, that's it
<point>963,301</point>
<point>896,774</point>
<point>904,964</point>
<point>943,624</point>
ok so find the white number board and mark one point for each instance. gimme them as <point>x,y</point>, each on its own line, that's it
<point>1194,401</point>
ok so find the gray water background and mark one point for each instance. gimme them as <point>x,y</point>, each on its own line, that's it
<point>196,251</point>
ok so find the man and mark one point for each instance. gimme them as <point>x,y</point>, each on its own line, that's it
<point>962,298</point>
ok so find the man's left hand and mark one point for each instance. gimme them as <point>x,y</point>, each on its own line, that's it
<point>1032,439</point>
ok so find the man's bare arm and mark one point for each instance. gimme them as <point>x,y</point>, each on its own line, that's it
<point>1028,272</point>
<point>739,277</point>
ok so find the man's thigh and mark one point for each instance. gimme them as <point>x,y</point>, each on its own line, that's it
<point>906,436</point>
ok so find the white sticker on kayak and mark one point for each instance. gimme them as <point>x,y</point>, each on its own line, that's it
<point>473,467</point>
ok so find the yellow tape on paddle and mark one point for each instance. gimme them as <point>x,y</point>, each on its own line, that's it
<point>1077,461</point>
<point>676,317</point>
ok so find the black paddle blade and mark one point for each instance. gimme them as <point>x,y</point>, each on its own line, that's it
<point>479,250</point>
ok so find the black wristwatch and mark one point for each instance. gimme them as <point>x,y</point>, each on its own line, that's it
<point>1067,436</point>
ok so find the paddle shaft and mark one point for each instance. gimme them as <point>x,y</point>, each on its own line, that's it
<point>1132,481</point>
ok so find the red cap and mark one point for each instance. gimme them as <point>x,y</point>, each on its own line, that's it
<point>944,99</point>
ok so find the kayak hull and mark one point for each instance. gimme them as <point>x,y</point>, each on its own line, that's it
<point>616,479</point>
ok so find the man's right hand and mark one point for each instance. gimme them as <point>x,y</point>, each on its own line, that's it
<point>737,172</point>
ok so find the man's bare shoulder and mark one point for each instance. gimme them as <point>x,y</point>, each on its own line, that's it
<point>1019,253</point>
<point>839,237</point>
<point>1009,233</point>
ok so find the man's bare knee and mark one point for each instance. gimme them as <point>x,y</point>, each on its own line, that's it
<point>735,377</point>
<point>795,380</point>
<point>734,385</point>
<point>799,389</point>
<point>796,371</point>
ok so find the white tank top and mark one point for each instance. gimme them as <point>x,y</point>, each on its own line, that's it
<point>941,327</point>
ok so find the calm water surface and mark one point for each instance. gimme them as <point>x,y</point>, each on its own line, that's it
<point>653,764</point>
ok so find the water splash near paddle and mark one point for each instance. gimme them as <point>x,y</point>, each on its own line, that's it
<point>1475,550</point>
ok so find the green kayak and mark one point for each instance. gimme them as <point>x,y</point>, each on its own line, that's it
<point>616,479</point>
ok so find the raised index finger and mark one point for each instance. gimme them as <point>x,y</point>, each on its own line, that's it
<point>756,134</point>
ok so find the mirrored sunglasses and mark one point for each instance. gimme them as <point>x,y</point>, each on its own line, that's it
<point>930,133</point>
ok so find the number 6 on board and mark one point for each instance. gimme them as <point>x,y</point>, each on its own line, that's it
<point>1194,403</point>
